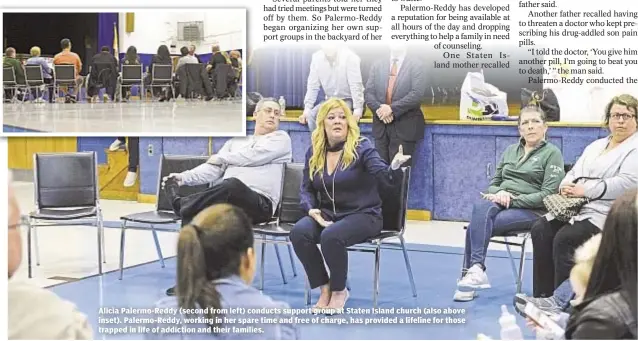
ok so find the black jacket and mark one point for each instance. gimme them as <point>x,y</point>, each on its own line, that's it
<point>605,317</point>
<point>408,93</point>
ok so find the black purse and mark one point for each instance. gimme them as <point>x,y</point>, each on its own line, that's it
<point>546,100</point>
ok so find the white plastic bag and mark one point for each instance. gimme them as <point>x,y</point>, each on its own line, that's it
<point>480,100</point>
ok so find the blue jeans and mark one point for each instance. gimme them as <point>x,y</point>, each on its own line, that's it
<point>563,294</point>
<point>490,220</point>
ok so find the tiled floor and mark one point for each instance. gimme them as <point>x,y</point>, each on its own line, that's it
<point>212,118</point>
<point>69,262</point>
<point>71,251</point>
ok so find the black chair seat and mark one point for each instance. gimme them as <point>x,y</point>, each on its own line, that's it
<point>58,214</point>
<point>513,233</point>
<point>152,217</point>
<point>385,235</point>
<point>272,229</point>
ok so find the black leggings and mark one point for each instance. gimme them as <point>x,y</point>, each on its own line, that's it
<point>554,245</point>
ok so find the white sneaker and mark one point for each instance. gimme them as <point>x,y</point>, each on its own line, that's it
<point>474,279</point>
<point>464,296</point>
<point>130,179</point>
<point>115,145</point>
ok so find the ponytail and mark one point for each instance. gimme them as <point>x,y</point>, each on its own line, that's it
<point>194,288</point>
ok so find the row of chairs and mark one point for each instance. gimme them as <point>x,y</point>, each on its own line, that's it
<point>64,75</point>
<point>70,193</point>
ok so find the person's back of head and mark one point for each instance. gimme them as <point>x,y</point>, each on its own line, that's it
<point>163,53</point>
<point>35,51</point>
<point>65,44</point>
<point>217,244</point>
<point>106,49</point>
<point>184,51</point>
<point>10,52</point>
<point>131,55</point>
<point>615,264</point>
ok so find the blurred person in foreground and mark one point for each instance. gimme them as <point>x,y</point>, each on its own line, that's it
<point>215,267</point>
<point>35,313</point>
<point>604,279</point>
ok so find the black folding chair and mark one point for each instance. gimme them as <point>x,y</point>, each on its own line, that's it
<point>66,193</point>
<point>162,218</point>
<point>288,213</point>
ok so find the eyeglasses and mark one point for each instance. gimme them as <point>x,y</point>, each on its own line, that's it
<point>625,117</point>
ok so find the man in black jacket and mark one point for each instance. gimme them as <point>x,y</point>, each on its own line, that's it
<point>394,91</point>
<point>104,73</point>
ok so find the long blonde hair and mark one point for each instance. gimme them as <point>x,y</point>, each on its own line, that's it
<point>320,140</point>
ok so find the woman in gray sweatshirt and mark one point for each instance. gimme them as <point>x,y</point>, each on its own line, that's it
<point>613,162</point>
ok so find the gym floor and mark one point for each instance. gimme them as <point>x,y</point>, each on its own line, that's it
<point>182,117</point>
<point>68,267</point>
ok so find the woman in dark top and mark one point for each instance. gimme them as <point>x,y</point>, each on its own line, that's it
<point>343,169</point>
<point>163,57</point>
<point>131,58</point>
<point>608,310</point>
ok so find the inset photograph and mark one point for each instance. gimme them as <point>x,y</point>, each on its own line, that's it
<point>142,73</point>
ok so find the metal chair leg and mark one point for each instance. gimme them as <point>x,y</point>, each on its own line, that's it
<point>512,263</point>
<point>99,245</point>
<point>292,260</point>
<point>158,247</point>
<point>101,227</point>
<point>263,260</point>
<point>281,266</point>
<point>408,266</point>
<point>521,266</point>
<point>377,264</point>
<point>29,227</point>
<point>122,244</point>
<point>37,245</point>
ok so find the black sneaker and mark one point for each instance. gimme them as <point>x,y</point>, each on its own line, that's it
<point>170,291</point>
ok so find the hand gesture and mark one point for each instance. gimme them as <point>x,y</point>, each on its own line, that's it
<point>176,176</point>
<point>357,117</point>
<point>316,215</point>
<point>399,159</point>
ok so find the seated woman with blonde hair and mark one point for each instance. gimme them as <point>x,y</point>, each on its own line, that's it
<point>215,267</point>
<point>339,192</point>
